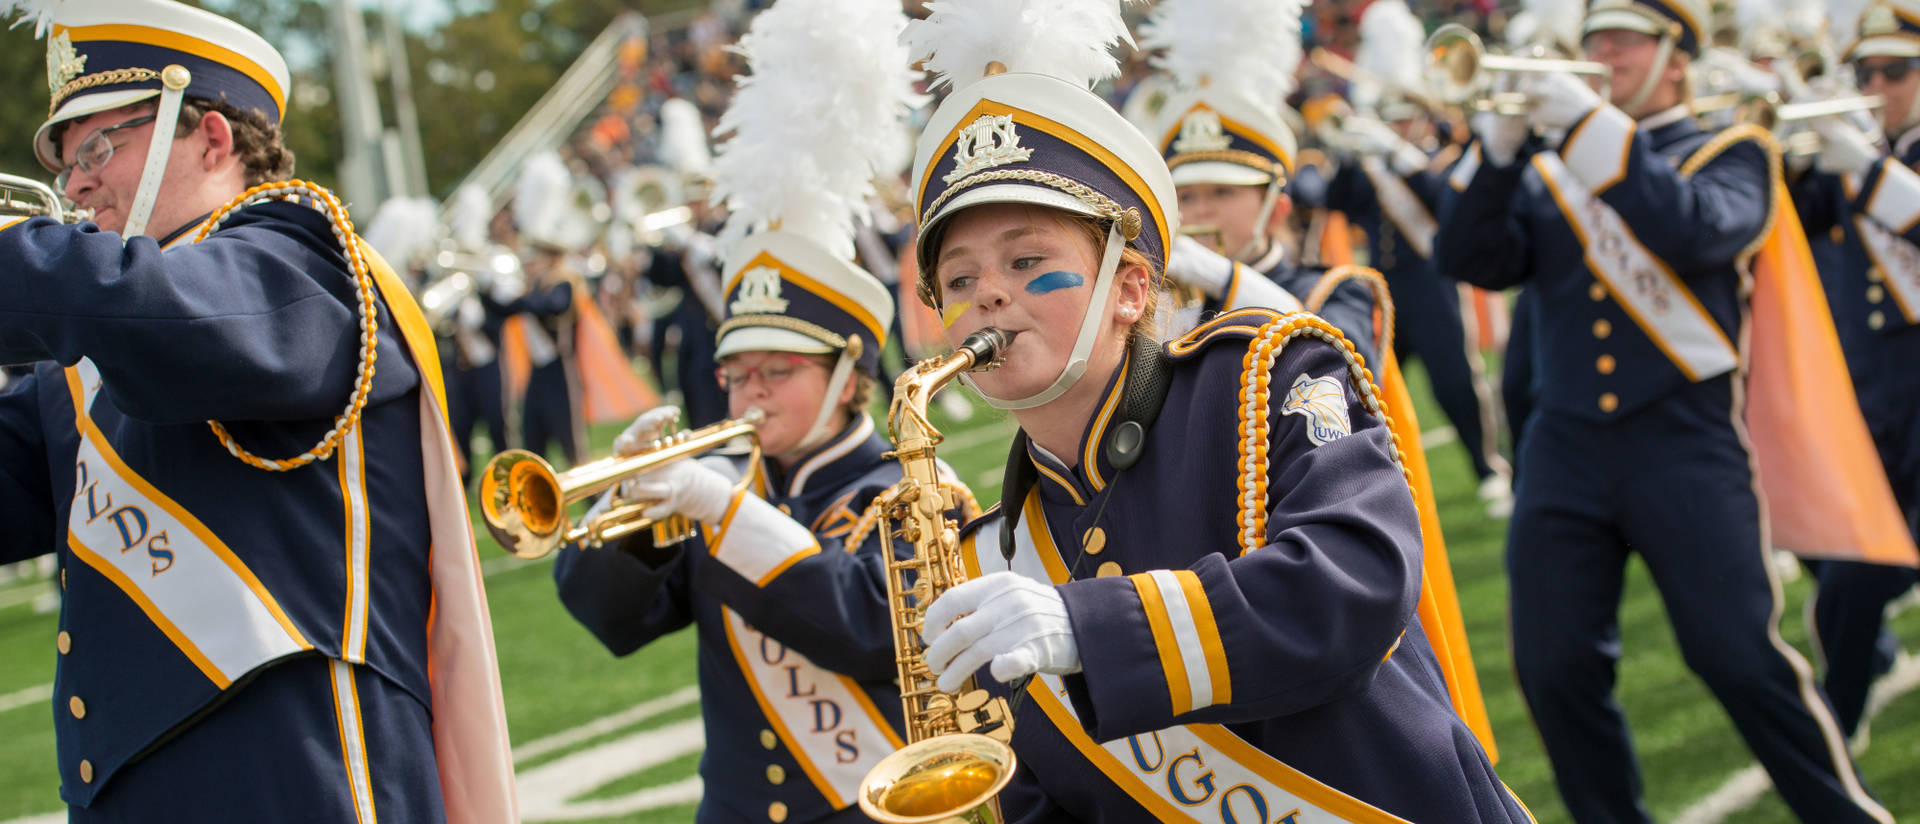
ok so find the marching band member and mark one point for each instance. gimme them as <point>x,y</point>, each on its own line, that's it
<point>787,589</point>
<point>550,408</point>
<point>306,620</point>
<point>1162,578</point>
<point>1231,152</point>
<point>1871,199</point>
<point>1635,234</point>
<point>1390,187</point>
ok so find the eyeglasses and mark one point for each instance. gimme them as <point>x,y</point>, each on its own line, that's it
<point>1894,72</point>
<point>772,373</point>
<point>95,151</point>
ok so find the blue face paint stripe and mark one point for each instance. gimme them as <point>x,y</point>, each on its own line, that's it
<point>1053,281</point>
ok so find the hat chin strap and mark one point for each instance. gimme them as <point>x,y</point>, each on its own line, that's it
<point>1082,345</point>
<point>1257,245</point>
<point>818,434</point>
<point>1660,60</point>
<point>157,150</point>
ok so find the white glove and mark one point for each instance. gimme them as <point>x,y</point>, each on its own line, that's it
<point>645,430</point>
<point>1557,100</point>
<point>1373,137</point>
<point>1500,136</point>
<point>1193,264</point>
<point>1844,148</point>
<point>684,487</point>
<point>1018,624</point>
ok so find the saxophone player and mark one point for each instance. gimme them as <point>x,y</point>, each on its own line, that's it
<point>786,590</point>
<point>1160,577</point>
<point>1634,234</point>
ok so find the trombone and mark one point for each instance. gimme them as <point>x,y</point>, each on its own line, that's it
<point>524,501</point>
<point>1461,67</point>
<point>24,197</point>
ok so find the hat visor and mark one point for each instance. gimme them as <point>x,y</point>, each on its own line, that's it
<point>1627,20</point>
<point>769,339</point>
<point>1017,193</point>
<point>1220,173</point>
<point>77,107</point>
<point>1885,47</point>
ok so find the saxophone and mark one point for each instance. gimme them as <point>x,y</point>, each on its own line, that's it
<point>956,758</point>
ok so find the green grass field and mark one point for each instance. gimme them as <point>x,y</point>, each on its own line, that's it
<point>604,739</point>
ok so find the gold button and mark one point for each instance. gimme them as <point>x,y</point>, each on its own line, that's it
<point>63,642</point>
<point>768,739</point>
<point>1108,570</point>
<point>786,510</point>
<point>86,771</point>
<point>1874,275</point>
<point>1837,234</point>
<point>1605,364</point>
<point>776,812</point>
<point>776,774</point>
<point>77,707</point>
<point>1876,320</point>
<point>1596,291</point>
<point>1095,541</point>
<point>1601,328</point>
<point>1609,402</point>
<point>63,578</point>
<point>1876,293</point>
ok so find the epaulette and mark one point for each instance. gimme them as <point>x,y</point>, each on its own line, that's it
<point>1368,278</point>
<point>1727,139</point>
<point>1240,324</point>
<point>973,525</point>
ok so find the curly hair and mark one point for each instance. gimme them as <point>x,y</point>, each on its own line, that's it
<point>256,140</point>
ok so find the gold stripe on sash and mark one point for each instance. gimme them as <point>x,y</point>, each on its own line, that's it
<point>1682,328</point>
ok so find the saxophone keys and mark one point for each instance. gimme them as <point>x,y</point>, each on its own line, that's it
<point>971,700</point>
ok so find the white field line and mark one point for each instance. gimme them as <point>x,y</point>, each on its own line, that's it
<point>26,697</point>
<point>546,792</point>
<point>592,729</point>
<point>1743,788</point>
<point>1438,436</point>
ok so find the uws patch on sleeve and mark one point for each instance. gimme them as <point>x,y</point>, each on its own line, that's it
<point>1323,402</point>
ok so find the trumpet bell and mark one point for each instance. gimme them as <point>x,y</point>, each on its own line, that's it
<point>25,197</point>
<point>523,504</point>
<point>948,779</point>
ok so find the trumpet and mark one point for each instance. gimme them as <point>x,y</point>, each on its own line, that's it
<point>1807,142</point>
<point>1460,66</point>
<point>25,197</point>
<point>524,501</point>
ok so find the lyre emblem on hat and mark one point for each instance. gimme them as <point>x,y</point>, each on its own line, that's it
<point>988,141</point>
<point>1880,19</point>
<point>1201,132</point>
<point>759,292</point>
<point>63,64</point>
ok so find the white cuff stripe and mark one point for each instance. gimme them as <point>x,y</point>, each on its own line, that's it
<point>759,542</point>
<point>1596,152</point>
<point>1187,637</point>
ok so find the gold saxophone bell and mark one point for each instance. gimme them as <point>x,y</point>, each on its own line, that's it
<point>26,197</point>
<point>524,501</point>
<point>956,759</point>
<point>1460,68</point>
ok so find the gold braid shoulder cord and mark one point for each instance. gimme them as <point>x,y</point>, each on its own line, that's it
<point>1256,405</point>
<point>323,201</point>
<point>1366,276</point>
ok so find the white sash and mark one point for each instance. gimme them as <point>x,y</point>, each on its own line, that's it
<point>1402,207</point>
<point>1659,303</point>
<point>1898,260</point>
<point>1187,772</point>
<point>181,575</point>
<point>825,718</point>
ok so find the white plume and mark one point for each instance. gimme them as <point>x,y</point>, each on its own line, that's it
<point>402,230</point>
<point>1068,39</point>
<point>468,213</point>
<point>41,12</point>
<point>823,106</point>
<point>540,196</point>
<point>1800,18</point>
<point>1553,23</point>
<point>1252,47</point>
<point>1391,46</point>
<point>683,138</point>
<point>1845,17</point>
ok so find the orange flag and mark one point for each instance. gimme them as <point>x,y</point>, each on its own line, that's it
<point>1439,606</point>
<point>610,391</point>
<point>1827,494</point>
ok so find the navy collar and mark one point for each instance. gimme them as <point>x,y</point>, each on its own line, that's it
<point>842,459</point>
<point>1663,130</point>
<point>1078,485</point>
<point>178,234</point>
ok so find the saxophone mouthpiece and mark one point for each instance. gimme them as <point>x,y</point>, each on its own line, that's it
<point>987,346</point>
